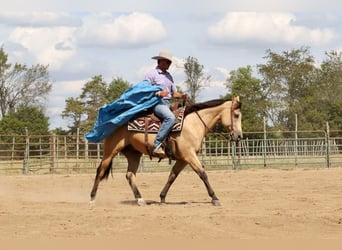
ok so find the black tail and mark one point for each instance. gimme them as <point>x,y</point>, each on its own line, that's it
<point>109,169</point>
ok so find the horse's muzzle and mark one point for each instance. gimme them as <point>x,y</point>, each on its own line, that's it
<point>235,137</point>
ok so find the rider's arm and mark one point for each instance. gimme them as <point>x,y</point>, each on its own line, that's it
<point>180,95</point>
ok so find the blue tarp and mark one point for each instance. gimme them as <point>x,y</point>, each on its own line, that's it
<point>137,98</point>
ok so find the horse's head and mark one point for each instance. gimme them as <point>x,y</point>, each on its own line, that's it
<point>232,119</point>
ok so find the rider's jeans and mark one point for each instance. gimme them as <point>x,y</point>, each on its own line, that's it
<point>162,110</point>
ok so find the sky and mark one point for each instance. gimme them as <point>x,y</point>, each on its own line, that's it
<point>83,38</point>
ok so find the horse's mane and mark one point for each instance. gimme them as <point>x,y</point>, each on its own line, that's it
<point>203,105</point>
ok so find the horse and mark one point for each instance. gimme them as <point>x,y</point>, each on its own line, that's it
<point>199,119</point>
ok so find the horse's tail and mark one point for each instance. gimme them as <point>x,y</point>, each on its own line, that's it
<point>108,170</point>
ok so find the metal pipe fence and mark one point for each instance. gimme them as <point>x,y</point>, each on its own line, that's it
<point>72,154</point>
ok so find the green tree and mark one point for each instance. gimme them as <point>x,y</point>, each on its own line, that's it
<point>254,105</point>
<point>74,111</point>
<point>325,102</point>
<point>286,79</point>
<point>22,85</point>
<point>30,117</point>
<point>59,131</point>
<point>83,110</point>
<point>93,97</point>
<point>195,78</point>
<point>116,88</point>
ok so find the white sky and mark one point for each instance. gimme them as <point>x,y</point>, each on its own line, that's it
<point>83,38</point>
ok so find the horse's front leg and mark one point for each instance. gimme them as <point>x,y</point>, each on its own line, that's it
<point>204,177</point>
<point>133,158</point>
<point>197,167</point>
<point>176,169</point>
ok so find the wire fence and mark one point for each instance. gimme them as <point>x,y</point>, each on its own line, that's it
<point>72,154</point>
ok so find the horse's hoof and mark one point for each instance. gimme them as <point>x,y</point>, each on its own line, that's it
<point>162,201</point>
<point>216,202</point>
<point>91,204</point>
<point>141,202</point>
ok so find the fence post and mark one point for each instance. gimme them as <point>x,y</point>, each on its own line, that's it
<point>204,149</point>
<point>233,147</point>
<point>77,148</point>
<point>238,145</point>
<point>53,152</point>
<point>296,141</point>
<point>26,153</point>
<point>86,150</point>
<point>265,143</point>
<point>13,154</point>
<point>142,165</point>
<point>327,143</point>
<point>98,150</point>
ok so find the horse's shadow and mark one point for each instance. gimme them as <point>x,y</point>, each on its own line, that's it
<point>151,202</point>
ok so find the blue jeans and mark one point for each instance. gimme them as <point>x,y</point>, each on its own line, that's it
<point>162,110</point>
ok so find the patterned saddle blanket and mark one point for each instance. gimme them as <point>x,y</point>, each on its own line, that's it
<point>152,124</point>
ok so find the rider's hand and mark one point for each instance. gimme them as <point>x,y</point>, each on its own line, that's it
<point>184,97</point>
<point>162,93</point>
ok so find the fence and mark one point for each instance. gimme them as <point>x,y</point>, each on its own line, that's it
<point>72,154</point>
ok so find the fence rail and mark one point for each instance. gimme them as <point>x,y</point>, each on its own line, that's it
<point>72,154</point>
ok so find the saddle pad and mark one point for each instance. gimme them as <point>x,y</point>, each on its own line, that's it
<point>138,124</point>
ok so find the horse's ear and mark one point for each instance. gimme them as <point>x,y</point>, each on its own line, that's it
<point>236,102</point>
<point>236,99</point>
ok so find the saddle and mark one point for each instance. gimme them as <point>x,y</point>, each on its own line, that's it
<point>148,122</point>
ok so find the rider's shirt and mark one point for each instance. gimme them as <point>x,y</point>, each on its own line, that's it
<point>164,79</point>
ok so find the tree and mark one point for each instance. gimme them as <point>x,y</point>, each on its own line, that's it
<point>29,117</point>
<point>22,85</point>
<point>325,102</point>
<point>83,110</point>
<point>249,89</point>
<point>93,96</point>
<point>116,88</point>
<point>195,79</point>
<point>74,110</point>
<point>287,78</point>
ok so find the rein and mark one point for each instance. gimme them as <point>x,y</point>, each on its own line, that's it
<point>231,120</point>
<point>203,122</point>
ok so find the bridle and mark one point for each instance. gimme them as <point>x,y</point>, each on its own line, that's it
<point>231,127</point>
<point>203,122</point>
<point>232,108</point>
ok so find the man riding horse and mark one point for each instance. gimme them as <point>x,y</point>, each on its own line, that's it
<point>155,93</point>
<point>160,76</point>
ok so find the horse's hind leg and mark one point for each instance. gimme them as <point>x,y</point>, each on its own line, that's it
<point>102,172</point>
<point>176,169</point>
<point>133,158</point>
<point>111,147</point>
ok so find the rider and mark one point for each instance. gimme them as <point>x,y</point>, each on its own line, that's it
<point>160,76</point>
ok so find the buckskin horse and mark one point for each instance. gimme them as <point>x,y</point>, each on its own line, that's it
<point>199,119</point>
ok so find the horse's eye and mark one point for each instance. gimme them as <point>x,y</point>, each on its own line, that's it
<point>236,116</point>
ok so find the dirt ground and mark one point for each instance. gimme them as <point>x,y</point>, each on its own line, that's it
<point>256,204</point>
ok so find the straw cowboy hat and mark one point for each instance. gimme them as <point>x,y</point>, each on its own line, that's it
<point>164,54</point>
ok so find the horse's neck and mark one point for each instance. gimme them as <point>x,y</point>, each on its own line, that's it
<point>210,116</point>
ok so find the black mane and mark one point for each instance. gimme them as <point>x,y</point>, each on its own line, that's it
<point>203,105</point>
